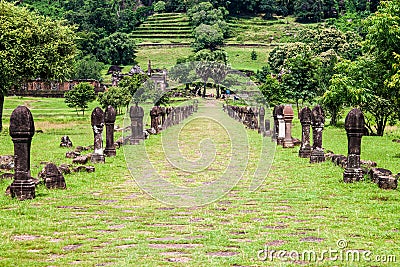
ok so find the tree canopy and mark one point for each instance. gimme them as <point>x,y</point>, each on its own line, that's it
<point>32,46</point>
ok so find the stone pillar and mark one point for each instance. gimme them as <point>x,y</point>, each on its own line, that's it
<point>267,128</point>
<point>288,117</point>
<point>274,135</point>
<point>354,125</point>
<point>281,125</point>
<point>163,116</point>
<point>109,120</point>
<point>261,128</point>
<point>136,113</point>
<point>317,124</point>
<point>22,129</point>
<point>97,126</point>
<point>305,120</point>
<point>154,119</point>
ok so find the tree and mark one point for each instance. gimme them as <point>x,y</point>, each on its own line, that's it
<point>117,49</point>
<point>133,83</point>
<point>205,13</point>
<point>268,7</point>
<point>159,7</point>
<point>118,97</point>
<point>207,37</point>
<point>279,55</point>
<point>79,97</point>
<point>88,68</point>
<point>299,78</point>
<point>32,46</point>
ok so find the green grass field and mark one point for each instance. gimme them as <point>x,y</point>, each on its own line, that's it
<point>105,219</point>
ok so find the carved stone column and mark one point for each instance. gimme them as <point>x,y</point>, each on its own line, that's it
<point>281,125</point>
<point>136,113</point>
<point>109,119</point>
<point>317,124</point>
<point>354,125</point>
<point>261,128</point>
<point>305,120</point>
<point>288,117</point>
<point>97,126</point>
<point>22,129</point>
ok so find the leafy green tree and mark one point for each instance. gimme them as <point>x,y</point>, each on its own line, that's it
<point>32,46</point>
<point>117,49</point>
<point>272,90</point>
<point>269,7</point>
<point>300,79</point>
<point>88,68</point>
<point>205,13</point>
<point>79,96</point>
<point>132,83</point>
<point>207,37</point>
<point>118,97</point>
<point>308,10</point>
<point>253,55</point>
<point>279,55</point>
<point>159,7</point>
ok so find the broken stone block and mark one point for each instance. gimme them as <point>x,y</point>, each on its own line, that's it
<point>52,177</point>
<point>65,141</point>
<point>72,154</point>
<point>387,182</point>
<point>80,160</point>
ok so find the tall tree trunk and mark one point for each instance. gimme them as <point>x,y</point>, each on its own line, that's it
<point>1,110</point>
<point>380,126</point>
<point>204,90</point>
<point>218,91</point>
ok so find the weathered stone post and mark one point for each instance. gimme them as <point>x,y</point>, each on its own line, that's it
<point>174,116</point>
<point>163,116</point>
<point>274,135</point>
<point>288,115</point>
<point>281,125</point>
<point>136,113</point>
<point>261,114</point>
<point>354,125</point>
<point>109,119</point>
<point>154,119</point>
<point>317,124</point>
<point>305,120</point>
<point>22,129</point>
<point>97,126</point>
<point>267,128</point>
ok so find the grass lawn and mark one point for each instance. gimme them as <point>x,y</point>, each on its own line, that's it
<point>105,219</point>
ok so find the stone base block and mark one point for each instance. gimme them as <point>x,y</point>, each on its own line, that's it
<point>352,175</point>
<point>110,152</point>
<point>317,156</point>
<point>23,189</point>
<point>97,158</point>
<point>305,153</point>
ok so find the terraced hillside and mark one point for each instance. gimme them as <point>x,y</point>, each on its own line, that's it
<point>164,28</point>
<point>257,31</point>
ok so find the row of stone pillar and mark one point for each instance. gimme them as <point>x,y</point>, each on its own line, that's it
<point>22,129</point>
<point>251,117</point>
<point>161,119</point>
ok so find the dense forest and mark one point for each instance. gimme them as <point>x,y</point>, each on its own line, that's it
<point>102,21</point>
